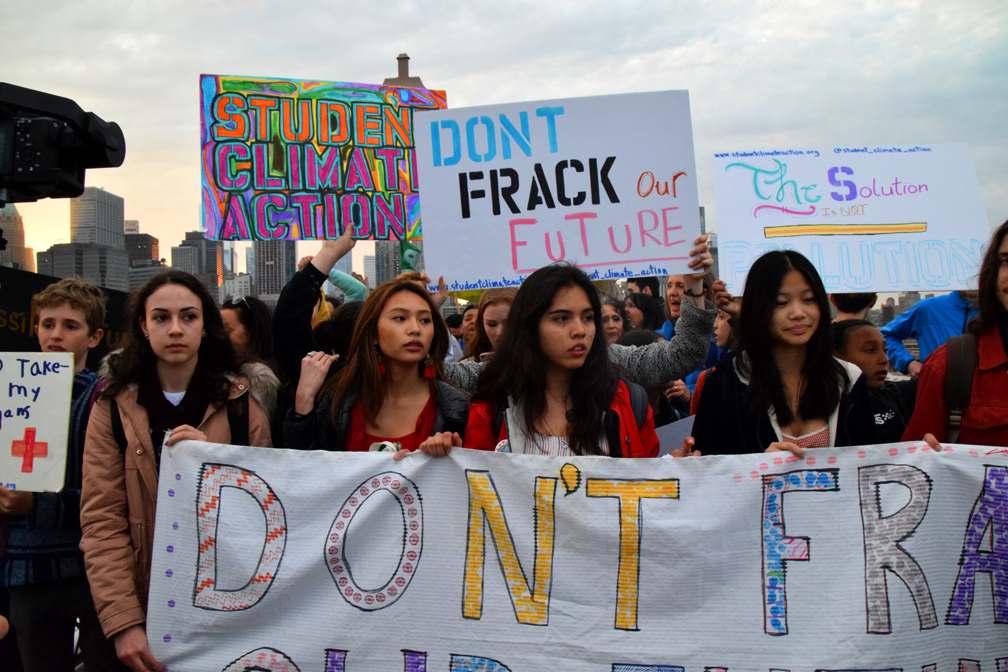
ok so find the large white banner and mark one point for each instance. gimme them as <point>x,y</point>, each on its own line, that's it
<point>35,392</point>
<point>871,558</point>
<point>871,219</point>
<point>606,182</point>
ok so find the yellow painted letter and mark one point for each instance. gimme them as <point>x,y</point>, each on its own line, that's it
<point>531,606</point>
<point>629,494</point>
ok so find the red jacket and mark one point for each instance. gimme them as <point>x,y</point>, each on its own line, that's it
<point>642,442</point>
<point>985,422</point>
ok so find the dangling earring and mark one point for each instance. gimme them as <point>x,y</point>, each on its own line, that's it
<point>381,366</point>
<point>428,370</point>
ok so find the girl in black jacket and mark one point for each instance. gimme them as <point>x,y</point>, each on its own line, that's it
<point>392,389</point>
<point>783,389</point>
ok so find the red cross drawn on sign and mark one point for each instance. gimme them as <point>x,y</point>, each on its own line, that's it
<point>29,450</point>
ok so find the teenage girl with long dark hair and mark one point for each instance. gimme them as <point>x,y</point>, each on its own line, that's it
<point>550,388</point>
<point>782,389</point>
<point>178,373</point>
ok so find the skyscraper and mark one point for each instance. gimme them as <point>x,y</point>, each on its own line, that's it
<point>369,270</point>
<point>143,270</point>
<point>142,247</point>
<point>275,265</point>
<point>96,216</point>
<point>386,260</point>
<point>100,265</point>
<point>185,258</point>
<point>209,256</point>
<point>16,254</point>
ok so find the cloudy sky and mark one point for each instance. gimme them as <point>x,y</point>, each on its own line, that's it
<point>761,74</point>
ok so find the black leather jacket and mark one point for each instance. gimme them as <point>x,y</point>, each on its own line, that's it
<point>318,431</point>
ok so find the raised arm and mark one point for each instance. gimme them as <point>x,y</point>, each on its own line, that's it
<point>292,331</point>
<point>349,285</point>
<point>654,365</point>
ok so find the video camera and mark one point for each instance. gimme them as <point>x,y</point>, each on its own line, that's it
<point>46,144</point>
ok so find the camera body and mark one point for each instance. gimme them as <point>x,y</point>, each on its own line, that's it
<point>48,142</point>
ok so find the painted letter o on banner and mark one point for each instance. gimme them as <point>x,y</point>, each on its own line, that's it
<point>408,497</point>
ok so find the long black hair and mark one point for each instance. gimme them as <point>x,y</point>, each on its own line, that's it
<point>822,375</point>
<point>137,360</point>
<point>257,319</point>
<point>518,369</point>
<point>991,308</point>
<point>650,307</point>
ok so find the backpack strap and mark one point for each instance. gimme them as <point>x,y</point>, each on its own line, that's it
<point>238,419</point>
<point>959,369</point>
<point>117,427</point>
<point>497,421</point>
<point>638,402</point>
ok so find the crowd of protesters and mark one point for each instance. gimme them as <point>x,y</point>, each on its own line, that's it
<point>555,367</point>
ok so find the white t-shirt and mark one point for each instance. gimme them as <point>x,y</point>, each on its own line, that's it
<point>174,397</point>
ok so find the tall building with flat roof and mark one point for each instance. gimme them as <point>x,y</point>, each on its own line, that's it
<point>185,258</point>
<point>209,258</point>
<point>16,255</point>
<point>142,247</point>
<point>387,264</point>
<point>236,285</point>
<point>275,265</point>
<point>100,265</point>
<point>96,216</point>
<point>369,270</point>
<point>145,269</point>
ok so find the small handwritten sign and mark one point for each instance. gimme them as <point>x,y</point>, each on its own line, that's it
<point>607,183</point>
<point>871,219</point>
<point>34,414</point>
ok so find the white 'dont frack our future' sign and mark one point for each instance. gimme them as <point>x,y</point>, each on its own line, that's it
<point>607,183</point>
<point>880,219</point>
<point>34,414</point>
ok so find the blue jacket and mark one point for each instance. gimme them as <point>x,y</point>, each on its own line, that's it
<point>932,322</point>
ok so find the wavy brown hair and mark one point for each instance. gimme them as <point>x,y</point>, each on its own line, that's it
<point>136,361</point>
<point>480,342</point>
<point>360,376</point>
<point>991,308</point>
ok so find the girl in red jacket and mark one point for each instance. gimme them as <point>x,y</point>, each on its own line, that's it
<point>550,389</point>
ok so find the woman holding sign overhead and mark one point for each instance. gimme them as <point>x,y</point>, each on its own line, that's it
<point>782,389</point>
<point>391,394</point>
<point>175,379</point>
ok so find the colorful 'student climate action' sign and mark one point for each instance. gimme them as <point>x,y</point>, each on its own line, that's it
<point>297,159</point>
